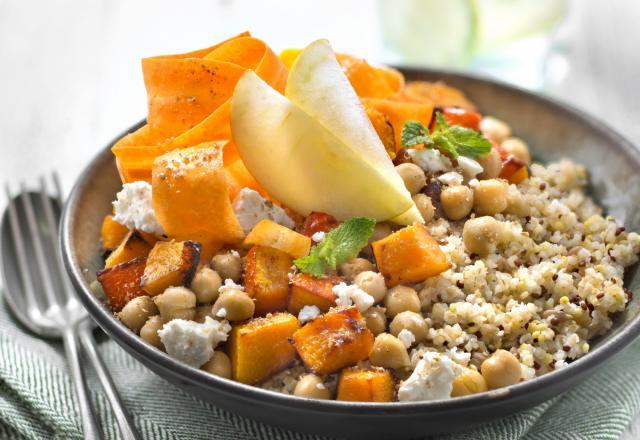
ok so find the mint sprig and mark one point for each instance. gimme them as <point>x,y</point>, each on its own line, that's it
<point>341,244</point>
<point>454,140</point>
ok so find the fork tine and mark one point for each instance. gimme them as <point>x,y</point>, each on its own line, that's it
<point>41,262</point>
<point>53,222</point>
<point>32,311</point>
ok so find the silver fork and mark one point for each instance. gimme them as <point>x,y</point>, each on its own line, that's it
<point>40,295</point>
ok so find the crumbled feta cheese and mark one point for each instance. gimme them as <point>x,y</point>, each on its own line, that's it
<point>229,284</point>
<point>430,160</point>
<point>221,313</point>
<point>406,337</point>
<point>469,167</point>
<point>234,253</point>
<point>321,386</point>
<point>460,357</point>
<point>349,295</point>
<point>307,313</point>
<point>250,208</point>
<point>432,379</point>
<point>191,342</point>
<point>133,208</point>
<point>473,183</point>
<point>318,236</point>
<point>451,178</point>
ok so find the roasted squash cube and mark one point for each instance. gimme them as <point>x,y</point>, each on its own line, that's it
<point>121,283</point>
<point>383,128</point>
<point>318,222</point>
<point>366,385</point>
<point>112,232</point>
<point>337,339</point>
<point>132,246</point>
<point>271,234</point>
<point>409,256</point>
<point>266,278</point>
<point>170,263</point>
<point>261,347</point>
<point>307,290</point>
<point>190,196</point>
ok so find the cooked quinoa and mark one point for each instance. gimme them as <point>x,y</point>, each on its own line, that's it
<point>553,282</point>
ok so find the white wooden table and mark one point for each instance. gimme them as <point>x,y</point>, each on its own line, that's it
<point>70,76</point>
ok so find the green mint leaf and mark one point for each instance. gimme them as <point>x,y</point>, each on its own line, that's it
<point>469,142</point>
<point>441,123</point>
<point>414,133</point>
<point>338,246</point>
<point>445,144</point>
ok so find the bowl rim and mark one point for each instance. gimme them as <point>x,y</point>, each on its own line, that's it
<point>123,336</point>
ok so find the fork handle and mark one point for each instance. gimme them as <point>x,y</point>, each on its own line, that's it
<point>90,427</point>
<point>123,418</point>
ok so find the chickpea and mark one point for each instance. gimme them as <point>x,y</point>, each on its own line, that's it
<point>425,206</point>
<point>494,128</point>
<point>376,320</point>
<point>149,331</point>
<point>518,148</point>
<point>234,305</point>
<point>219,364</point>
<point>228,265</point>
<point>491,165</point>
<point>412,176</point>
<point>457,201</point>
<point>501,369</point>
<point>516,204</point>
<point>490,197</point>
<point>350,269</point>
<point>205,285</point>
<point>481,234</point>
<point>137,311</point>
<point>311,386</point>
<point>468,382</point>
<point>372,283</point>
<point>389,352</point>
<point>401,299</point>
<point>380,231</point>
<point>176,303</point>
<point>412,321</point>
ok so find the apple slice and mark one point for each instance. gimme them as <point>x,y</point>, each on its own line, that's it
<point>304,165</point>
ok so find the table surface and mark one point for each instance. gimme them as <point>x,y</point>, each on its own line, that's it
<point>70,77</point>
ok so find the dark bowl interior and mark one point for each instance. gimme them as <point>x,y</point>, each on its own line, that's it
<point>553,130</point>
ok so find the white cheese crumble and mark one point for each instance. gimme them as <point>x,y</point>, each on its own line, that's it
<point>406,337</point>
<point>348,295</point>
<point>250,208</point>
<point>451,178</point>
<point>432,379</point>
<point>221,313</point>
<point>470,168</point>
<point>133,208</point>
<point>191,342</point>
<point>430,160</point>
<point>473,183</point>
<point>228,285</point>
<point>318,236</point>
<point>307,313</point>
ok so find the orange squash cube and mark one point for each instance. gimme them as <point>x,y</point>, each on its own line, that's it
<point>121,283</point>
<point>335,340</point>
<point>409,256</point>
<point>112,233</point>
<point>271,234</point>
<point>190,196</point>
<point>170,263</point>
<point>307,290</point>
<point>260,348</point>
<point>266,278</point>
<point>132,246</point>
<point>366,385</point>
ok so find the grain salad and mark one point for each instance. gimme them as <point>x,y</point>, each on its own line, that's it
<point>329,230</point>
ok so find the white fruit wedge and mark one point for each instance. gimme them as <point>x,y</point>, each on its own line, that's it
<point>313,159</point>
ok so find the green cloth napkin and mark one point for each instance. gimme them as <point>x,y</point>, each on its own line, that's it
<point>37,400</point>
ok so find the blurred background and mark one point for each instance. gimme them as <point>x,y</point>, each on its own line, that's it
<point>70,77</point>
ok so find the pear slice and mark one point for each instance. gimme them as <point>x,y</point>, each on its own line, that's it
<point>303,164</point>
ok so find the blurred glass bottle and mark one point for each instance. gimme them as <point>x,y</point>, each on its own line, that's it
<point>507,39</point>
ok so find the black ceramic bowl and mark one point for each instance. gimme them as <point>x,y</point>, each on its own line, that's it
<point>553,130</point>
